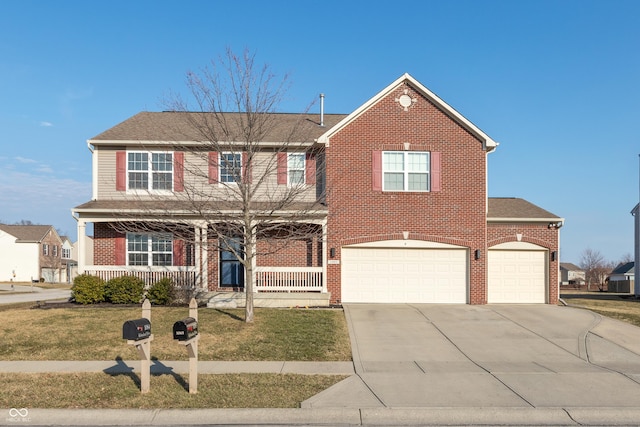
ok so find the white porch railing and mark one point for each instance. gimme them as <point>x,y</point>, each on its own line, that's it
<point>182,277</point>
<point>289,279</point>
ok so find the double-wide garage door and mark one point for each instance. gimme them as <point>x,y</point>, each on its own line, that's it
<point>404,275</point>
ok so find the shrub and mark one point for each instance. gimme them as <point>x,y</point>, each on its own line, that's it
<point>161,292</point>
<point>124,290</point>
<point>88,289</point>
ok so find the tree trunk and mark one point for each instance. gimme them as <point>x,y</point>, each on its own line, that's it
<point>249,277</point>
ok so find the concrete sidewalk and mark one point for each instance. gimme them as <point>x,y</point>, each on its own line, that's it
<point>19,293</point>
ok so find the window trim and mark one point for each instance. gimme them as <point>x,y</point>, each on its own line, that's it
<point>149,172</point>
<point>405,171</point>
<point>149,251</point>
<point>221,167</point>
<point>302,170</point>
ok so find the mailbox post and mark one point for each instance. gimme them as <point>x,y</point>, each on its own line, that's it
<point>185,331</point>
<point>138,332</point>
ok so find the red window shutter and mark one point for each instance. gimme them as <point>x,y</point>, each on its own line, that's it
<point>310,168</point>
<point>121,170</point>
<point>246,169</point>
<point>121,249</point>
<point>436,181</point>
<point>178,171</point>
<point>282,168</point>
<point>213,167</point>
<point>376,170</point>
<point>178,252</point>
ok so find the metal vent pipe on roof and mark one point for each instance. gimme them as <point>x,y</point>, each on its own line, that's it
<point>322,109</point>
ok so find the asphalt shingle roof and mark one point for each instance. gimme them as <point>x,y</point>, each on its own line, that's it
<point>26,233</point>
<point>183,126</point>
<point>512,207</point>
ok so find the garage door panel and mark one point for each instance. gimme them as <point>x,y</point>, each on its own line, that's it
<point>516,276</point>
<point>401,275</point>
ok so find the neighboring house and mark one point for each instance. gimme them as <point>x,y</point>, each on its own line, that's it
<point>405,216</point>
<point>30,253</point>
<point>69,262</point>
<point>571,274</point>
<point>636,232</point>
<point>621,278</point>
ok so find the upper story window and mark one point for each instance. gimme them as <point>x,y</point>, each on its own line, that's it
<point>45,249</point>
<point>149,249</point>
<point>55,250</point>
<point>230,167</point>
<point>405,171</point>
<point>66,253</point>
<point>150,170</point>
<point>296,168</point>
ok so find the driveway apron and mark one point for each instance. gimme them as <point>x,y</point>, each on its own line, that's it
<point>427,355</point>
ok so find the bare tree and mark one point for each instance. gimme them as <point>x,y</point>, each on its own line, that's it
<point>244,211</point>
<point>596,268</point>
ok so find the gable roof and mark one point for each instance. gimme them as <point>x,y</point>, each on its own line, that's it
<point>569,266</point>
<point>176,126</point>
<point>624,268</point>
<point>488,143</point>
<point>508,209</point>
<point>27,233</point>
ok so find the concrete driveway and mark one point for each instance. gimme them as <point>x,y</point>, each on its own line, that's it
<point>499,356</point>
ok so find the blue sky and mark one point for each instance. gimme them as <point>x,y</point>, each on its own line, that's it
<point>555,82</point>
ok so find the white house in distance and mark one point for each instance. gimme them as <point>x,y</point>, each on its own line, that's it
<point>636,213</point>
<point>30,253</point>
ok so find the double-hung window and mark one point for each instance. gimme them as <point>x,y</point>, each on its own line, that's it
<point>296,168</point>
<point>230,167</point>
<point>66,253</point>
<point>405,171</point>
<point>149,249</point>
<point>150,170</point>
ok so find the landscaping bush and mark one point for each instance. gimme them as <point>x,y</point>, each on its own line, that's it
<point>88,289</point>
<point>161,292</point>
<point>124,290</point>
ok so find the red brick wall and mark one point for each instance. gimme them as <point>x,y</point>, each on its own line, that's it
<point>537,233</point>
<point>104,244</point>
<point>456,214</point>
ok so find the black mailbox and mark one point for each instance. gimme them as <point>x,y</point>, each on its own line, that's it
<point>136,330</point>
<point>185,329</point>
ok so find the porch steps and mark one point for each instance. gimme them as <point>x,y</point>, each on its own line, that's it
<point>271,299</point>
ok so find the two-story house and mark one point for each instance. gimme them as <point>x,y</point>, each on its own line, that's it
<point>30,253</point>
<point>395,209</point>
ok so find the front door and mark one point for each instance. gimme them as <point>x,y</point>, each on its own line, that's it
<point>231,269</point>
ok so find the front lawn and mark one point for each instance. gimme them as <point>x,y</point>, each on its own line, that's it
<point>91,333</point>
<point>622,307</point>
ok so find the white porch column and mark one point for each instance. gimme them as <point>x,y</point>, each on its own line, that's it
<point>202,258</point>
<point>81,248</point>
<point>254,261</point>
<point>325,255</point>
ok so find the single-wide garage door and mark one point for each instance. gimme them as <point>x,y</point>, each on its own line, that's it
<point>517,276</point>
<point>399,275</point>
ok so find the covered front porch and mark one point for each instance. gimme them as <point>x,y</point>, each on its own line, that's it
<point>201,265</point>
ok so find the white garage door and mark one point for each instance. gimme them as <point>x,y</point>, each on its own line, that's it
<point>399,275</point>
<point>517,276</point>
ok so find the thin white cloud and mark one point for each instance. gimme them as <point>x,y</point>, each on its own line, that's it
<point>25,160</point>
<point>46,124</point>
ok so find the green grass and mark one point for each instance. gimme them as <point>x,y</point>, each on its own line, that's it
<point>95,333</point>
<point>90,333</point>
<point>98,391</point>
